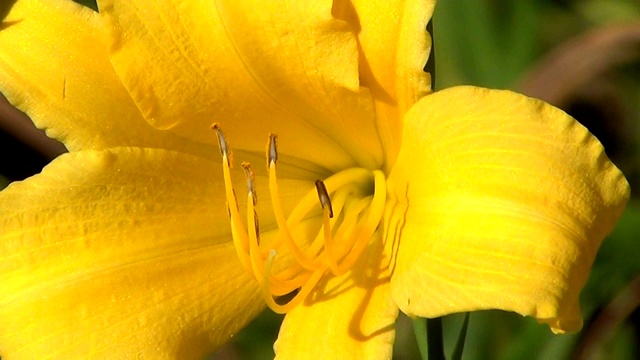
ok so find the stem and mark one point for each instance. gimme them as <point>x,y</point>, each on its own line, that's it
<point>457,351</point>
<point>435,340</point>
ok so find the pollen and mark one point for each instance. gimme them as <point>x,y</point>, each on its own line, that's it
<point>351,202</point>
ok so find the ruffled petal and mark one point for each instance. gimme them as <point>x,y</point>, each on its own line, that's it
<point>507,202</point>
<point>394,47</point>
<point>347,317</point>
<point>118,253</point>
<point>288,68</point>
<point>55,67</point>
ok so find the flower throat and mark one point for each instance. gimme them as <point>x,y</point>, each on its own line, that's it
<point>349,219</point>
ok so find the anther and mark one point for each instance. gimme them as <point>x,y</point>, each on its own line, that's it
<point>222,142</point>
<point>272,150</point>
<point>250,181</point>
<point>323,196</point>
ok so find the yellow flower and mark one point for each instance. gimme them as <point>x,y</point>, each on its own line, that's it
<point>459,200</point>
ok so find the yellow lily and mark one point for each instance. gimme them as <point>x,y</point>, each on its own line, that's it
<point>458,200</point>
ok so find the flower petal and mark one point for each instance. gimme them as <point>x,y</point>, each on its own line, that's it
<point>125,252</point>
<point>348,317</point>
<point>55,67</point>
<point>394,46</point>
<point>508,200</point>
<point>255,67</point>
<point>94,111</point>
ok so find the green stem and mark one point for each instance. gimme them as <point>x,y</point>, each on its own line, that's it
<point>457,351</point>
<point>435,340</point>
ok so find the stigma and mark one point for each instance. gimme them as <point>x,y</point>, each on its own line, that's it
<point>288,269</point>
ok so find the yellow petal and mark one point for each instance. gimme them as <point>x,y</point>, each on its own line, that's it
<point>395,46</point>
<point>255,67</point>
<point>347,317</point>
<point>54,66</point>
<point>508,200</point>
<point>120,253</point>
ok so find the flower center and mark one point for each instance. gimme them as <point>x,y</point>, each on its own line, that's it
<point>352,203</point>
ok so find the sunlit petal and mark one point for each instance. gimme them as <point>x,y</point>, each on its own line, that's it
<point>253,66</point>
<point>119,253</point>
<point>55,67</point>
<point>508,200</point>
<point>395,46</point>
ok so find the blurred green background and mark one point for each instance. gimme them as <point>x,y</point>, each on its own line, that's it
<point>580,55</point>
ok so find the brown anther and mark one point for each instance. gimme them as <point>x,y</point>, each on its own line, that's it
<point>250,181</point>
<point>323,196</point>
<point>272,150</point>
<point>222,142</point>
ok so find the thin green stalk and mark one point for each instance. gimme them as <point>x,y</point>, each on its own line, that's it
<point>457,351</point>
<point>435,340</point>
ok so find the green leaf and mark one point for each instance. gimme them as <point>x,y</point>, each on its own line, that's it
<point>420,331</point>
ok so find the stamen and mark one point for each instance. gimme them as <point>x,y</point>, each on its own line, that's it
<point>350,221</point>
<point>272,150</point>
<point>238,233</point>
<point>284,287</point>
<point>257,265</point>
<point>323,196</point>
<point>376,210</point>
<point>335,249</point>
<point>250,182</point>
<point>336,181</point>
<point>302,293</point>
<point>286,298</point>
<point>327,211</point>
<point>222,143</point>
<point>332,259</point>
<point>301,258</point>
